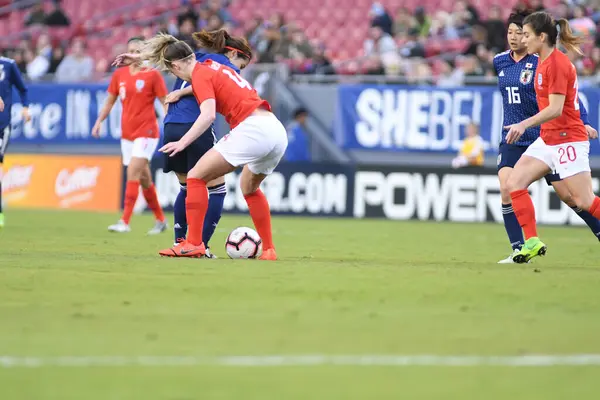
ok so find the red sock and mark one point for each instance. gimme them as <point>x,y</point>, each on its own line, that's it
<point>261,216</point>
<point>595,208</point>
<point>525,212</point>
<point>196,205</point>
<point>132,190</point>
<point>152,200</point>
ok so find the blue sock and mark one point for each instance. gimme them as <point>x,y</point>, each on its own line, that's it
<point>180,224</point>
<point>216,197</point>
<point>590,220</point>
<point>513,229</point>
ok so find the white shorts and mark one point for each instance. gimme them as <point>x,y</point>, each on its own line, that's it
<point>140,148</point>
<point>565,159</point>
<point>259,142</point>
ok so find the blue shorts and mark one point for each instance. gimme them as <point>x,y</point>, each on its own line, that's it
<point>4,138</point>
<point>183,162</point>
<point>509,154</point>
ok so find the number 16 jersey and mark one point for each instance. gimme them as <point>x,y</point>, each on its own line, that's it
<point>236,99</point>
<point>515,81</point>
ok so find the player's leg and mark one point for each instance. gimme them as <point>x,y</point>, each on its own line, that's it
<point>216,198</point>
<point>534,164</point>
<point>143,150</point>
<point>179,217</point>
<point>4,138</point>
<point>563,193</point>
<point>252,176</point>
<point>132,189</point>
<point>211,166</point>
<point>507,158</point>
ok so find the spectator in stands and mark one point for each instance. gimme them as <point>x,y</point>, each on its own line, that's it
<point>403,24</point>
<point>57,17</point>
<point>204,15</point>
<point>422,22</point>
<point>186,29</point>
<point>20,61</point>
<point>467,11</point>
<point>44,45</point>
<point>58,54</point>
<point>378,42</point>
<point>496,30</point>
<point>471,151</point>
<point>581,24</point>
<point>478,38</point>
<point>380,18</point>
<point>218,7</point>
<point>214,23</point>
<point>450,76</point>
<point>298,144</point>
<point>37,64</point>
<point>269,42</point>
<point>414,46</point>
<point>320,63</point>
<point>295,46</point>
<point>188,13</point>
<point>442,26</point>
<point>254,30</point>
<point>77,66</point>
<point>37,15</point>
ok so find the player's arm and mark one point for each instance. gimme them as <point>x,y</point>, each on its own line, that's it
<point>1,104</point>
<point>177,94</point>
<point>592,133</point>
<point>554,110</point>
<point>108,105</point>
<point>208,114</point>
<point>17,82</point>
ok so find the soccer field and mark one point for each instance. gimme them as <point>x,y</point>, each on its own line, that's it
<point>365,299</point>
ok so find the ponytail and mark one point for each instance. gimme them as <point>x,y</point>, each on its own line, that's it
<point>163,49</point>
<point>221,42</point>
<point>567,38</point>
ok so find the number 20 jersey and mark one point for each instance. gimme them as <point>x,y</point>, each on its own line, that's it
<point>236,100</point>
<point>516,84</point>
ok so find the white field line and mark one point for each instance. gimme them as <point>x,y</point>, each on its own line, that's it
<point>541,360</point>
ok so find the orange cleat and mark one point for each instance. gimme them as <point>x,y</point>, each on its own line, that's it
<point>268,255</point>
<point>184,249</point>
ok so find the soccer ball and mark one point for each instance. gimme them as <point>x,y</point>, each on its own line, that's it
<point>243,243</point>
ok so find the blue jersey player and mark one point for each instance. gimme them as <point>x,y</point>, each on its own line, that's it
<point>10,78</point>
<point>183,112</point>
<point>515,70</point>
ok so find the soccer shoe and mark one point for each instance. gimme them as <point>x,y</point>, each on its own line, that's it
<point>208,254</point>
<point>268,255</point>
<point>533,247</point>
<point>159,227</point>
<point>184,249</point>
<point>1,220</point>
<point>119,227</point>
<point>509,259</point>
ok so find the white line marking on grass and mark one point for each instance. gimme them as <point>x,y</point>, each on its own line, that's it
<point>301,360</point>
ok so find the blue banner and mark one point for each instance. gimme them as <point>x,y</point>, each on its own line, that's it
<point>409,118</point>
<point>65,114</point>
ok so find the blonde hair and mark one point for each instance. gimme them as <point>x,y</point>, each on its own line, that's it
<point>163,49</point>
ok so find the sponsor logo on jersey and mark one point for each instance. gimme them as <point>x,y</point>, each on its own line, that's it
<point>501,73</point>
<point>526,76</point>
<point>529,65</point>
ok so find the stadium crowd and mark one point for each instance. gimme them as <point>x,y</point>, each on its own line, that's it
<point>444,47</point>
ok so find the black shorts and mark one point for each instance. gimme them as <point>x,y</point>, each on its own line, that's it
<point>4,138</point>
<point>183,162</point>
<point>509,154</point>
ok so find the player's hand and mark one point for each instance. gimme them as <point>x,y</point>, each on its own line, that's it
<point>515,131</point>
<point>26,115</point>
<point>96,130</point>
<point>592,133</point>
<point>1,104</point>
<point>173,97</point>
<point>173,148</point>
<point>126,59</point>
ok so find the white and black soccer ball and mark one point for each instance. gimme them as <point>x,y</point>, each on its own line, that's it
<point>243,243</point>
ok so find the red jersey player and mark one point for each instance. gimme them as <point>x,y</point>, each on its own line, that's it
<point>257,140</point>
<point>137,87</point>
<point>563,146</point>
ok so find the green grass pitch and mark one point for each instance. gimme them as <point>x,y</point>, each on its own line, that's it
<point>342,287</point>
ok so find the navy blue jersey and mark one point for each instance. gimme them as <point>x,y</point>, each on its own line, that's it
<point>10,77</point>
<point>187,110</point>
<point>515,81</point>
